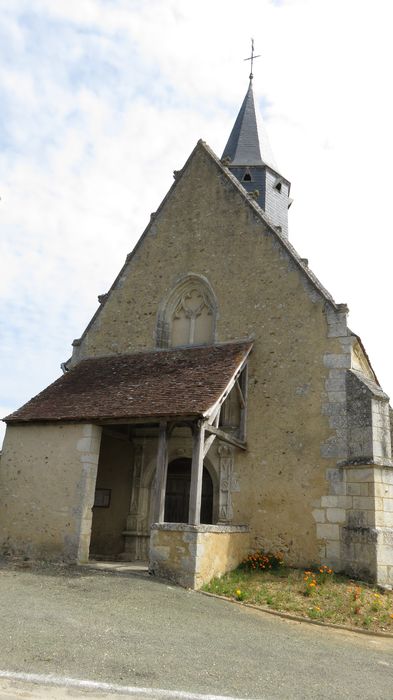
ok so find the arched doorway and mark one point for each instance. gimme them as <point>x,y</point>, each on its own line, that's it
<point>178,493</point>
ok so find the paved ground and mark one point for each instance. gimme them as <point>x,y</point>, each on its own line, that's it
<point>136,631</point>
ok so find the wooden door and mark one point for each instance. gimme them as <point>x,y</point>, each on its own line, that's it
<point>177,495</point>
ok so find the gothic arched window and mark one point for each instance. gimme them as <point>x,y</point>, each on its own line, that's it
<point>189,314</point>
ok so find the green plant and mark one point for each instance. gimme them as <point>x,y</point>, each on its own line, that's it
<point>310,583</point>
<point>324,573</point>
<point>315,612</point>
<point>332,597</point>
<point>262,561</point>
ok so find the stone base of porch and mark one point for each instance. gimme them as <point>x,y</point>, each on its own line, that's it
<point>192,555</point>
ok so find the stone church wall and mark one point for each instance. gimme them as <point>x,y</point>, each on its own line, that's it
<point>296,414</point>
<point>47,490</point>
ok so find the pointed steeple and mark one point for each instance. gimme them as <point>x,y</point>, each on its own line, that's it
<point>248,143</point>
<point>249,157</point>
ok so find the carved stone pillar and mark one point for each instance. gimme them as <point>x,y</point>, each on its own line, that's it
<point>133,520</point>
<point>228,483</point>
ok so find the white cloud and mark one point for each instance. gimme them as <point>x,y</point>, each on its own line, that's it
<point>103,100</point>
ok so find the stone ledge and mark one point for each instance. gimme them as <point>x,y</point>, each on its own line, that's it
<point>361,464</point>
<point>184,527</point>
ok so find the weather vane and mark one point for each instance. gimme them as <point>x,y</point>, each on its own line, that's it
<point>251,58</point>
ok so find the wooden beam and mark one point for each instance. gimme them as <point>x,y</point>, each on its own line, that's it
<point>225,437</point>
<point>208,443</point>
<point>215,415</point>
<point>194,513</point>
<point>243,386</point>
<point>228,389</point>
<point>240,394</point>
<point>161,474</point>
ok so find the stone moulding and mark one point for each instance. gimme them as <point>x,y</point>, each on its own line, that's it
<point>184,527</point>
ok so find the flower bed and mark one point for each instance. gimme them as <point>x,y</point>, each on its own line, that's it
<point>317,593</point>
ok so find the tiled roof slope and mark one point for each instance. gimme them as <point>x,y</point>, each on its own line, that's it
<point>178,382</point>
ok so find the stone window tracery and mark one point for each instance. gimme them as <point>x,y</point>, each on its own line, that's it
<point>189,314</point>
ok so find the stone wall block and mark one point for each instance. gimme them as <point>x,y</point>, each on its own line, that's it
<point>381,490</point>
<point>385,555</point>
<point>354,489</point>
<point>337,485</point>
<point>358,474</point>
<point>359,535</point>
<point>367,503</point>
<point>328,531</point>
<point>335,384</point>
<point>336,515</point>
<point>335,361</point>
<point>387,476</point>
<point>333,553</point>
<point>334,409</point>
<point>89,430</point>
<point>365,555</point>
<point>88,458</point>
<point>388,505</point>
<point>322,552</point>
<point>383,576</point>
<point>336,502</point>
<point>319,515</point>
<point>338,419</point>
<point>336,396</point>
<point>84,444</point>
<point>333,449</point>
<point>360,519</point>
<point>380,519</point>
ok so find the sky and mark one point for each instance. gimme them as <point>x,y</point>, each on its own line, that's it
<point>102,99</point>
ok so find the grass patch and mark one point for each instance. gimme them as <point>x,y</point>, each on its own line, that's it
<point>332,597</point>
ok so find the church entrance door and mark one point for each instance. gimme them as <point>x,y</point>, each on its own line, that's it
<point>178,493</point>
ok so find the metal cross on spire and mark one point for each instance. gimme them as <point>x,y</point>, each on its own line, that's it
<point>251,58</point>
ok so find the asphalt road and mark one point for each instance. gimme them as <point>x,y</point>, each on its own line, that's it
<point>136,631</point>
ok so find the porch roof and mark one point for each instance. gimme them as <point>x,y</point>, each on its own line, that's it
<point>177,383</point>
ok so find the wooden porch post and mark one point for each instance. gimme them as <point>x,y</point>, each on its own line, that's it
<point>194,513</point>
<point>161,474</point>
<point>243,384</point>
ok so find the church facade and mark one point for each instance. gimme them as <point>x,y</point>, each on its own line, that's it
<point>216,403</point>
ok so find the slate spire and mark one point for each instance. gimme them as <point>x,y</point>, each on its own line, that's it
<point>249,157</point>
<point>248,143</point>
